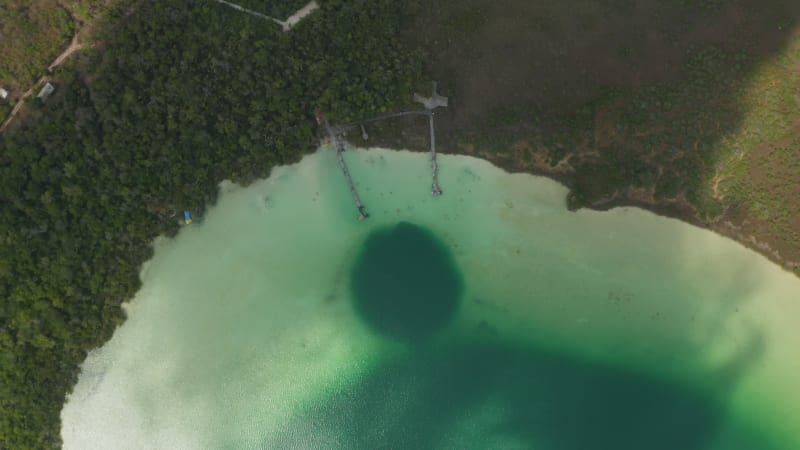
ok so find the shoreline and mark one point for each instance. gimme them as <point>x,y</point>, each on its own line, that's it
<point>406,137</point>
<point>673,211</point>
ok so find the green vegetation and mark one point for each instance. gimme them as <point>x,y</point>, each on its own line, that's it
<point>684,140</point>
<point>185,94</point>
<point>31,36</point>
<point>88,9</point>
<point>629,146</point>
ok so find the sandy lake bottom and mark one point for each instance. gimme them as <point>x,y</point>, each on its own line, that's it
<point>489,317</point>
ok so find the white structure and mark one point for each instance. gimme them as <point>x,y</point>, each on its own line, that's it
<point>432,102</point>
<point>46,91</point>
<point>288,24</point>
<point>299,15</point>
<point>3,93</point>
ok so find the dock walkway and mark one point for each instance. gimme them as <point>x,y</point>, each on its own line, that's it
<point>333,136</point>
<point>362,213</point>
<point>431,103</point>
<point>434,166</point>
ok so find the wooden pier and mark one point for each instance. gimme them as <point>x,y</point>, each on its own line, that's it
<point>431,103</point>
<point>362,214</point>
<point>434,166</point>
<point>333,136</point>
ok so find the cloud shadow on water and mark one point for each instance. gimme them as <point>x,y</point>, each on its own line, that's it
<point>484,395</point>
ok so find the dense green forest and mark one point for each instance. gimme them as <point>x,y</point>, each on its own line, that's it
<point>181,95</point>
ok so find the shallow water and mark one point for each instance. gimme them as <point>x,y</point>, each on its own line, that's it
<point>487,317</point>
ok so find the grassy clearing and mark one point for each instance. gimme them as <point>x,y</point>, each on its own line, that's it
<point>32,34</point>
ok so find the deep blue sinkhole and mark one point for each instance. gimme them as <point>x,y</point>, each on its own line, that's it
<point>405,283</point>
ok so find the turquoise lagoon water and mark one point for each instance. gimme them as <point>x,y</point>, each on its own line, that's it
<point>489,317</point>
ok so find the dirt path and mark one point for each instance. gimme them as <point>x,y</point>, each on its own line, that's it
<point>19,104</point>
<point>251,12</point>
<point>286,25</point>
<point>73,47</point>
<point>295,18</point>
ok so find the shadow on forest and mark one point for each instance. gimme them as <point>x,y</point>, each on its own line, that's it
<point>641,85</point>
<point>496,396</point>
<point>563,53</point>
